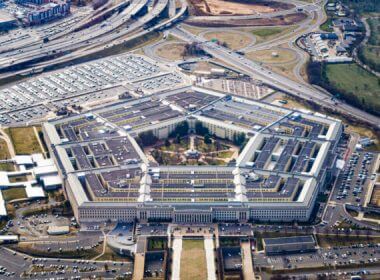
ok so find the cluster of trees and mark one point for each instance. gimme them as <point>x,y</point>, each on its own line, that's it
<point>157,154</point>
<point>238,139</point>
<point>203,131</point>
<point>363,6</point>
<point>182,129</point>
<point>373,64</point>
<point>146,138</point>
<point>200,129</point>
<point>192,49</point>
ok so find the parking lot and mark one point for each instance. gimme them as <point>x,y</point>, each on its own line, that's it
<point>352,184</point>
<point>15,266</point>
<point>28,99</point>
<point>360,254</point>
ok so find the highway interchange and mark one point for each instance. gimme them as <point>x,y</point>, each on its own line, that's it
<point>135,19</point>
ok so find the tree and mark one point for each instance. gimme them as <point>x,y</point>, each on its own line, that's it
<point>238,138</point>
<point>207,139</point>
<point>200,129</point>
<point>192,49</point>
<point>147,138</point>
<point>181,129</point>
<point>167,143</point>
<point>177,139</point>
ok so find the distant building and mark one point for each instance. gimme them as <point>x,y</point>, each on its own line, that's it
<point>47,12</point>
<point>58,230</point>
<point>329,36</point>
<point>7,21</point>
<point>285,245</point>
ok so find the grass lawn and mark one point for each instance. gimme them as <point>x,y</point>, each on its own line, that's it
<point>193,260</point>
<point>326,25</point>
<point>234,40</point>
<point>225,154</point>
<point>4,153</point>
<point>266,56</point>
<point>157,244</point>
<point>355,81</point>
<point>24,140</point>
<point>7,167</point>
<point>17,179</point>
<point>14,193</point>
<point>110,255</point>
<point>173,51</point>
<point>266,33</point>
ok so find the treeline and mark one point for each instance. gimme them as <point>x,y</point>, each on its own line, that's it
<point>317,75</point>
<point>363,6</point>
<point>373,46</point>
<point>193,49</point>
<point>373,64</point>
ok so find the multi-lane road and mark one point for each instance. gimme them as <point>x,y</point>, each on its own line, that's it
<point>117,29</point>
<point>275,80</point>
<point>124,26</point>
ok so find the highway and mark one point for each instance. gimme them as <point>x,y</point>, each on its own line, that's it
<point>277,81</point>
<point>120,29</point>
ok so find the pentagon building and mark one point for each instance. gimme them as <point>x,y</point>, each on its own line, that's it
<point>288,159</point>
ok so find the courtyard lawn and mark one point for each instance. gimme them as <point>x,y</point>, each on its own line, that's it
<point>353,81</point>
<point>14,193</point>
<point>193,260</point>
<point>4,153</point>
<point>24,140</point>
<point>6,167</point>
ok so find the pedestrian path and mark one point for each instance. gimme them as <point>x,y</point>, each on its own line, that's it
<point>177,249</point>
<point>209,250</point>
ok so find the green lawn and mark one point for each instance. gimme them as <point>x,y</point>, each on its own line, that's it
<point>265,33</point>
<point>326,25</point>
<point>4,153</point>
<point>14,193</point>
<point>6,167</point>
<point>24,140</point>
<point>193,260</point>
<point>355,84</point>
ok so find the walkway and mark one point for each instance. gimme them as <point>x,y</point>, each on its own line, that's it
<point>138,268</point>
<point>209,250</point>
<point>247,261</point>
<point>177,249</point>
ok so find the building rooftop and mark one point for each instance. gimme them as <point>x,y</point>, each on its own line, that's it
<point>280,163</point>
